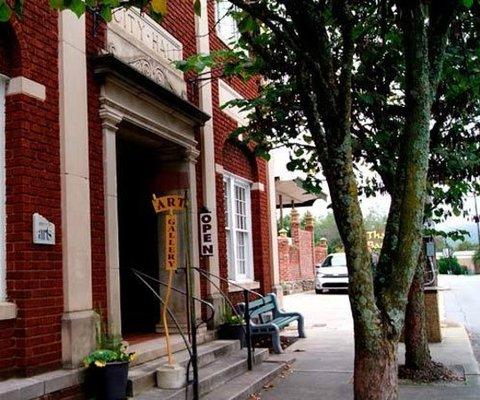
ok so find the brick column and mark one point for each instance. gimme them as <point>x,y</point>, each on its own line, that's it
<point>321,251</point>
<point>309,226</point>
<point>295,227</point>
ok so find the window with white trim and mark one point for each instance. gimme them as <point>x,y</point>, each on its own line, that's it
<point>238,228</point>
<point>226,26</point>
<point>3,230</point>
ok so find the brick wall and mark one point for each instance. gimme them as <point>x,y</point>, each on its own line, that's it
<point>7,348</point>
<point>296,260</point>
<point>95,41</point>
<point>239,160</point>
<point>32,342</point>
<point>34,272</point>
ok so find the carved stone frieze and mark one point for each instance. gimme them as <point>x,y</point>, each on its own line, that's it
<point>141,42</point>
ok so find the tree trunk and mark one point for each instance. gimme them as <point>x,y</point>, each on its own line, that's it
<point>417,352</point>
<point>376,374</point>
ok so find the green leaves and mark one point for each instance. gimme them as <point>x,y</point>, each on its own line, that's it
<point>5,11</point>
<point>468,3</point>
<point>57,4</point>
<point>78,7</point>
<point>196,63</point>
<point>197,7</point>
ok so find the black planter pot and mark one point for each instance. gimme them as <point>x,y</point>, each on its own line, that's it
<point>232,332</point>
<point>109,382</point>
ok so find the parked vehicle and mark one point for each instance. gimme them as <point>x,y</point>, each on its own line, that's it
<point>332,273</point>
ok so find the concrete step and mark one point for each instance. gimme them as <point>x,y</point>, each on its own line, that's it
<point>155,348</point>
<point>246,384</point>
<point>212,376</point>
<point>142,377</point>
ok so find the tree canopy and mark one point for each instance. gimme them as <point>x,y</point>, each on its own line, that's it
<point>356,82</point>
<point>347,82</point>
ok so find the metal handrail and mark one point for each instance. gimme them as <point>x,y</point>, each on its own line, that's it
<point>208,304</point>
<point>233,283</point>
<point>246,315</point>
<point>191,348</point>
<point>187,344</point>
<point>140,276</point>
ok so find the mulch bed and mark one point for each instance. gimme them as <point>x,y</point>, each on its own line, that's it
<point>266,341</point>
<point>435,372</point>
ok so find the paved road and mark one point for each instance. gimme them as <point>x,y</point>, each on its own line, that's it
<point>461,303</point>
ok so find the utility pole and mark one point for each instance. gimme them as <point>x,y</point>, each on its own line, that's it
<point>477,217</point>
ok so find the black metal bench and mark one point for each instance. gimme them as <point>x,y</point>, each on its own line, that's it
<point>267,319</point>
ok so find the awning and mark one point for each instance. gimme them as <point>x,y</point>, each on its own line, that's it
<point>292,194</point>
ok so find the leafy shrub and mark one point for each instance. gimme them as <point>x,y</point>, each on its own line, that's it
<point>476,260</point>
<point>230,318</point>
<point>110,348</point>
<point>101,357</point>
<point>476,257</point>
<point>451,266</point>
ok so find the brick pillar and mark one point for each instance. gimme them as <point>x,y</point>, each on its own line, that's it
<point>283,257</point>
<point>295,227</point>
<point>309,228</point>
<point>321,251</point>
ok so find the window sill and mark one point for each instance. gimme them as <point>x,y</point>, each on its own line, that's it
<point>250,285</point>
<point>8,311</point>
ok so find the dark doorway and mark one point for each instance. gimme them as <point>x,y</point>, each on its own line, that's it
<point>137,165</point>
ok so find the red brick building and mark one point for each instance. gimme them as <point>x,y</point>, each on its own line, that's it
<point>94,119</point>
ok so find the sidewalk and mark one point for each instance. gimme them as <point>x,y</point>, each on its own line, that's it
<point>324,365</point>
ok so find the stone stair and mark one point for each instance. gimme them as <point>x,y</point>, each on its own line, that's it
<point>223,374</point>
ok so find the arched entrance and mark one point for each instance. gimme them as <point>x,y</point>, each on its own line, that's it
<point>149,148</point>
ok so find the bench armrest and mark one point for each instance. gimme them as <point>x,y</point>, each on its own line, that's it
<point>263,325</point>
<point>288,314</point>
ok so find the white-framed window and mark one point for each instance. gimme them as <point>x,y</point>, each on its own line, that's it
<point>226,26</point>
<point>3,218</point>
<point>238,228</point>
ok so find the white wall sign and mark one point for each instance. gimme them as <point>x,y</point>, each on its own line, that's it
<point>43,230</point>
<point>206,241</point>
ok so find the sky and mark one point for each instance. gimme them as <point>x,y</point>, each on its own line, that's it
<point>379,204</point>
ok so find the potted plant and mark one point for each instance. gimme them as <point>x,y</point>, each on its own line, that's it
<point>107,367</point>
<point>233,327</point>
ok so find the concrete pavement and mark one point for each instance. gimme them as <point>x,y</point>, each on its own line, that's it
<point>461,301</point>
<point>324,361</point>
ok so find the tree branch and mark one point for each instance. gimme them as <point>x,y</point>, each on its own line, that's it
<point>442,14</point>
